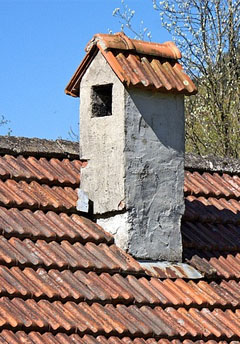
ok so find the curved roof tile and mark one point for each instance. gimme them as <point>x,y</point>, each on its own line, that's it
<point>62,279</point>
<point>137,64</point>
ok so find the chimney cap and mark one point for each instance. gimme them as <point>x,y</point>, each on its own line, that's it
<point>137,64</point>
<point>119,41</point>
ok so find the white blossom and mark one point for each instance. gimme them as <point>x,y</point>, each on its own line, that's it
<point>207,33</point>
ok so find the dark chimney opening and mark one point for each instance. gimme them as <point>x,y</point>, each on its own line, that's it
<point>102,100</point>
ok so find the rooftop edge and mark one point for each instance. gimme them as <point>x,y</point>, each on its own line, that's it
<point>211,163</point>
<point>39,147</point>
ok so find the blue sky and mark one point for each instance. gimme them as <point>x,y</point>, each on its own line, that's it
<point>42,43</point>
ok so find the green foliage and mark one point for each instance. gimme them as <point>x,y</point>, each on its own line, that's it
<point>212,127</point>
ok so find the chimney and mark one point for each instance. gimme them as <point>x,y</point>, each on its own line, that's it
<point>132,136</point>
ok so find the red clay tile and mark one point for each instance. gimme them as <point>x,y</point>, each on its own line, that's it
<point>137,63</point>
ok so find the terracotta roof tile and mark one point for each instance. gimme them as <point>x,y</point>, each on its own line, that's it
<point>62,279</point>
<point>226,264</point>
<point>64,254</point>
<point>203,236</point>
<point>50,226</point>
<point>137,63</point>
<point>37,196</point>
<point>45,171</point>
<point>20,337</point>
<point>212,210</point>
<point>82,286</point>
<point>212,184</point>
<point>121,320</point>
<point>120,41</point>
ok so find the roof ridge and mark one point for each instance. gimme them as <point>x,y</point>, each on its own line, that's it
<point>122,42</point>
<point>36,147</point>
<point>211,163</point>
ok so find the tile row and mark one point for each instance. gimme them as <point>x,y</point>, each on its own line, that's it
<point>20,337</point>
<point>66,255</point>
<point>120,319</point>
<point>35,195</point>
<point>26,223</point>
<point>153,72</point>
<point>211,236</point>
<point>9,337</point>
<point>90,286</point>
<point>46,171</point>
<point>212,210</point>
<point>68,172</point>
<point>212,184</point>
<point>225,265</point>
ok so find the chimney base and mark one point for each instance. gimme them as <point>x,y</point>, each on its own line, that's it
<point>160,244</point>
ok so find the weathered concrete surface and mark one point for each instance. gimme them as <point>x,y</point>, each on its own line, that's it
<point>154,149</point>
<point>135,163</point>
<point>119,225</point>
<point>102,141</point>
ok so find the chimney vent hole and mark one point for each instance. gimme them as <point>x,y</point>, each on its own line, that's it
<point>102,100</point>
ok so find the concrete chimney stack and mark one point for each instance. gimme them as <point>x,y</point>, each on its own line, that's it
<point>132,136</point>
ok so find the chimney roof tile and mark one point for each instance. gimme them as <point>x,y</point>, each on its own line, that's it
<point>137,63</point>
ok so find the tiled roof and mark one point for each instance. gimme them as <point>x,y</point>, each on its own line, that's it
<point>63,280</point>
<point>137,63</point>
<point>42,170</point>
<point>211,224</point>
